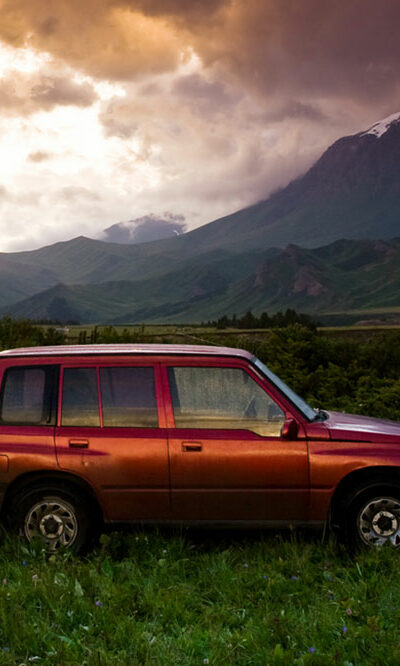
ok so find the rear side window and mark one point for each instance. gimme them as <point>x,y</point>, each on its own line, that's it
<point>28,395</point>
<point>222,398</point>
<point>128,397</point>
<point>80,403</point>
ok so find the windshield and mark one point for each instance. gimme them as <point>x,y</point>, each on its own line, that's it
<point>298,402</point>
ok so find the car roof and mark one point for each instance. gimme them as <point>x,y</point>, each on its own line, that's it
<point>129,349</point>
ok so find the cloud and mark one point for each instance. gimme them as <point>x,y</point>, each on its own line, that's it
<point>72,193</point>
<point>14,197</point>
<point>24,93</point>
<point>3,193</point>
<point>52,91</point>
<point>297,110</point>
<point>144,229</point>
<point>39,156</point>
<point>313,47</point>
<point>106,39</point>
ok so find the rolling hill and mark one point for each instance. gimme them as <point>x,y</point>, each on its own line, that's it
<point>346,274</point>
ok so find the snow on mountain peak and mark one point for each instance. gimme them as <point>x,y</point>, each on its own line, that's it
<point>382,126</point>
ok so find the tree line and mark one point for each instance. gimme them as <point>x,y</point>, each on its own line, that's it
<point>264,320</point>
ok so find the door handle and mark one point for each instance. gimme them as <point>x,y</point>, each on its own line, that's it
<point>79,443</point>
<point>192,446</point>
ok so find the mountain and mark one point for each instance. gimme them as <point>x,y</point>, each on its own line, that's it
<point>345,275</point>
<point>352,192</point>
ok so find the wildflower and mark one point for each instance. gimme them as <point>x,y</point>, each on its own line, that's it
<point>5,581</point>
<point>99,603</point>
<point>6,648</point>
<point>311,649</point>
<point>246,565</point>
<point>344,629</point>
<point>349,611</point>
<point>265,577</point>
<point>294,578</point>
<point>35,579</point>
<point>165,551</point>
<point>206,661</point>
<point>24,563</point>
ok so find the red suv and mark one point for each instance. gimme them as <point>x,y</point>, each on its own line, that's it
<point>176,433</point>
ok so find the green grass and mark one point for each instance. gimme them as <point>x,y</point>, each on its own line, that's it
<point>169,598</point>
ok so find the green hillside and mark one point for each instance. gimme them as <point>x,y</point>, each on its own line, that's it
<point>342,276</point>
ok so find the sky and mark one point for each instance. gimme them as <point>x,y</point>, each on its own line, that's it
<point>177,110</point>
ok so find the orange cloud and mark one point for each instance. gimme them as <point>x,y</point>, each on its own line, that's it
<point>101,37</point>
<point>312,47</point>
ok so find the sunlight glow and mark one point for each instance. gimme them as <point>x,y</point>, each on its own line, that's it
<point>22,59</point>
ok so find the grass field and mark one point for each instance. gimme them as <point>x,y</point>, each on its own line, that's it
<point>187,334</point>
<point>182,598</point>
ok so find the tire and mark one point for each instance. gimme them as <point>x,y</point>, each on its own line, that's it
<point>373,518</point>
<point>56,515</point>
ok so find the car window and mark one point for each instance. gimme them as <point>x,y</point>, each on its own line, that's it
<point>209,397</point>
<point>128,397</point>
<point>80,404</point>
<point>27,396</point>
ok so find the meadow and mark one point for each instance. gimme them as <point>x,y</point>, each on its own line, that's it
<point>168,597</point>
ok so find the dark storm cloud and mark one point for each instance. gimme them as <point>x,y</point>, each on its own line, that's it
<point>297,110</point>
<point>316,47</point>
<point>196,90</point>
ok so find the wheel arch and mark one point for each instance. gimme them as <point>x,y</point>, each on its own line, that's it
<point>355,483</point>
<point>46,477</point>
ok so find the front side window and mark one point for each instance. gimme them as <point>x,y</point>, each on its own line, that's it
<point>28,396</point>
<point>128,397</point>
<point>80,403</point>
<point>209,397</point>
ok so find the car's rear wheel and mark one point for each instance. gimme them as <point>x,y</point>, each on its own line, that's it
<point>373,518</point>
<point>59,518</point>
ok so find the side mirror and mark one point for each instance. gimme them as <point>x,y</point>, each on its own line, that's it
<point>289,429</point>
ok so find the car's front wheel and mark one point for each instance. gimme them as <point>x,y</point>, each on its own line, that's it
<point>373,518</point>
<point>57,517</point>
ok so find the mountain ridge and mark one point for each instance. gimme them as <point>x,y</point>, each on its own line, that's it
<point>345,274</point>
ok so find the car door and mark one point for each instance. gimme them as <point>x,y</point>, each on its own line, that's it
<point>228,460</point>
<point>28,408</point>
<point>111,431</point>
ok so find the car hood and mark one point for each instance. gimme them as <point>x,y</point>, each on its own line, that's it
<point>362,428</point>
